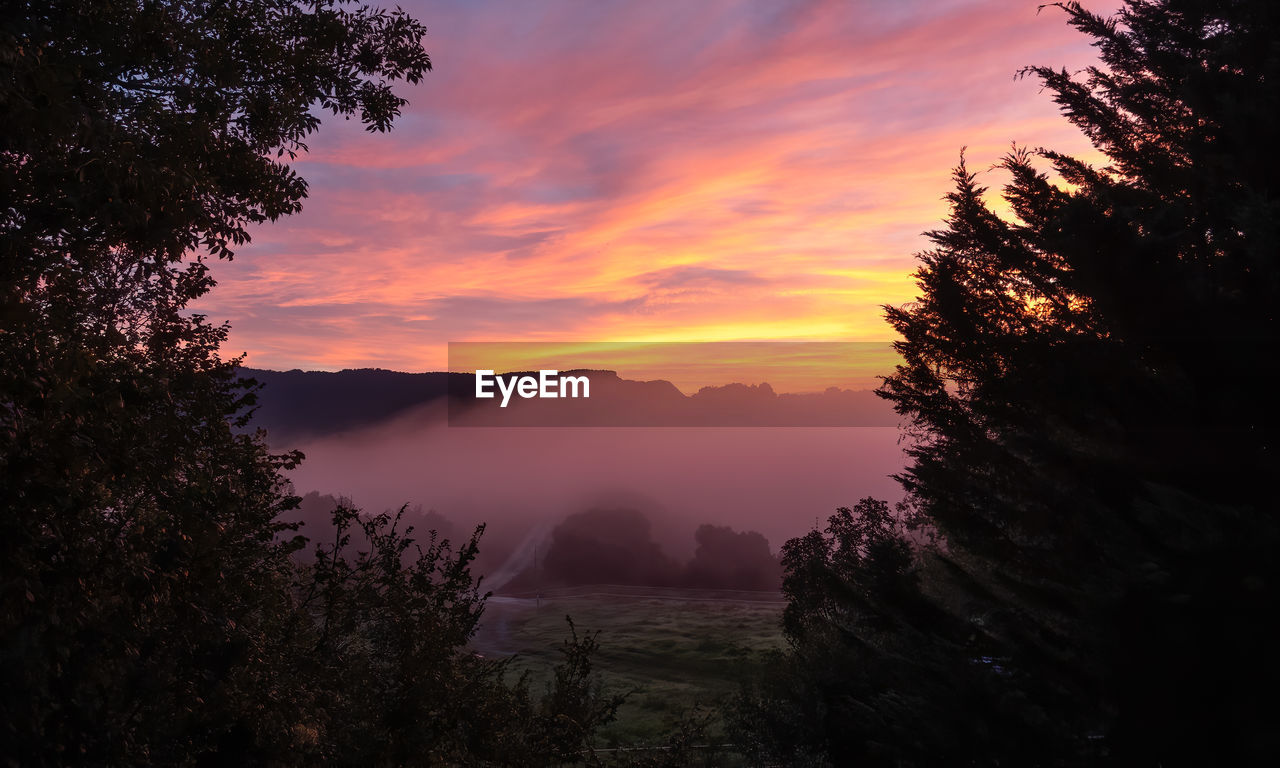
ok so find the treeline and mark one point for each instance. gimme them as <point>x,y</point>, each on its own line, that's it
<point>597,546</point>
<point>616,546</point>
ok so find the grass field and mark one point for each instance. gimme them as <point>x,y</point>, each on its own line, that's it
<point>668,650</point>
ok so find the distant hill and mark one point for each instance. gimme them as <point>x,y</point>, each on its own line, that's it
<point>300,404</point>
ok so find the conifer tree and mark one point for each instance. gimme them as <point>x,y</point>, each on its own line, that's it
<point>1088,388</point>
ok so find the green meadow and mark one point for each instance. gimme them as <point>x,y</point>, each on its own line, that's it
<point>667,650</point>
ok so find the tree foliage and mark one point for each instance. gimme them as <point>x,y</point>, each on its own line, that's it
<point>377,652</point>
<point>1091,413</point>
<point>150,610</point>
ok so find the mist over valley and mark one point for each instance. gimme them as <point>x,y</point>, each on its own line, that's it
<point>382,440</point>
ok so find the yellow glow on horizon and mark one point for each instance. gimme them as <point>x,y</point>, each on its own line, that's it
<point>726,200</point>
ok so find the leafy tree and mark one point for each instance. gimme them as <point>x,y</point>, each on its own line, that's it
<point>883,665</point>
<point>608,546</point>
<point>150,612</point>
<point>727,559</point>
<point>377,650</point>
<point>1091,413</point>
<point>140,567</point>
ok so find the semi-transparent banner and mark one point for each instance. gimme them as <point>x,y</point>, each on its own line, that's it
<point>669,384</point>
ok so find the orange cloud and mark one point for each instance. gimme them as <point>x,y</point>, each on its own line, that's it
<point>644,172</point>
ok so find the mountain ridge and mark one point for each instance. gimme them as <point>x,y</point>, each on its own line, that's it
<point>297,404</point>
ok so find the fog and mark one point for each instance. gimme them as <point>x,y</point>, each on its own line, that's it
<point>777,481</point>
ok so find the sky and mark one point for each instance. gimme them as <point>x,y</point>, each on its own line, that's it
<point>655,171</point>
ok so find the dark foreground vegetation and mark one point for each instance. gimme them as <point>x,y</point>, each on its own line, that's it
<point>1082,573</point>
<point>1094,459</point>
<point>152,613</point>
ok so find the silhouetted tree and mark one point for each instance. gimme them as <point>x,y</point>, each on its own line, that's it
<point>608,546</point>
<point>380,673</point>
<point>727,559</point>
<point>140,567</point>
<point>149,610</point>
<point>1092,416</point>
<point>313,518</point>
<point>882,666</point>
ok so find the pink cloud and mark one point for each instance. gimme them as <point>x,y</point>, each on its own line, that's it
<point>587,170</point>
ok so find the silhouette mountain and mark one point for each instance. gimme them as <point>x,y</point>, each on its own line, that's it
<point>295,404</point>
<point>302,404</point>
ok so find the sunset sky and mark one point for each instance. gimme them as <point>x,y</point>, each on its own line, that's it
<point>650,171</point>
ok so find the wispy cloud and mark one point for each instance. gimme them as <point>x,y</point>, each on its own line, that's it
<point>644,171</point>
